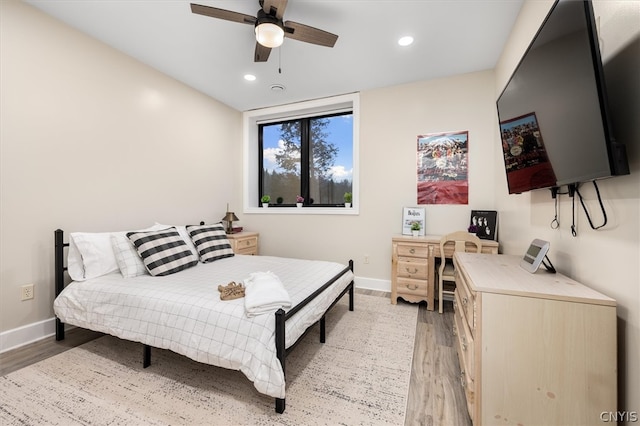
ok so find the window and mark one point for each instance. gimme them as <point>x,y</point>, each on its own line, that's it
<point>311,157</point>
<point>308,149</point>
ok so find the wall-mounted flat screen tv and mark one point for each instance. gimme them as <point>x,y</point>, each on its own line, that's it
<point>553,112</point>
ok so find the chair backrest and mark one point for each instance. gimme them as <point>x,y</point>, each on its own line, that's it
<point>460,241</point>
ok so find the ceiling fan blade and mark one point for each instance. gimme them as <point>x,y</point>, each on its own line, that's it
<point>277,6</point>
<point>262,53</point>
<point>227,15</point>
<point>309,34</point>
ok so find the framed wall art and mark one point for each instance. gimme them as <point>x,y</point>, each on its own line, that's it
<point>411,215</point>
<point>486,224</point>
<point>442,168</point>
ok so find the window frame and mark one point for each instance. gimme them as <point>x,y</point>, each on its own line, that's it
<point>305,156</point>
<point>251,150</point>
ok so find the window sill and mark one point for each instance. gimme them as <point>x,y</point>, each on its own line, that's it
<point>351,211</point>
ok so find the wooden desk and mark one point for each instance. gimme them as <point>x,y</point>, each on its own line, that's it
<point>413,267</point>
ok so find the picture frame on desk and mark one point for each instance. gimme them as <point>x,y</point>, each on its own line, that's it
<point>487,223</point>
<point>411,215</point>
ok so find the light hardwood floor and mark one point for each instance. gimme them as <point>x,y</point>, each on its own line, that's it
<point>436,396</point>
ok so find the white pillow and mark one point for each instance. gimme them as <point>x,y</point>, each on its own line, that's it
<point>74,262</point>
<point>91,254</point>
<point>127,257</point>
<point>96,253</point>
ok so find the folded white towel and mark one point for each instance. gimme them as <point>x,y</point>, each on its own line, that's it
<point>264,293</point>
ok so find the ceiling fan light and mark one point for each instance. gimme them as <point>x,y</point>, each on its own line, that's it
<point>269,35</point>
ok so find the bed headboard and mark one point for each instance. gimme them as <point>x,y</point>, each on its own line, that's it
<point>59,247</point>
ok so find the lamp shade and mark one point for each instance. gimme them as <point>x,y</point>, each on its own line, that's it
<point>230,217</point>
<point>269,34</point>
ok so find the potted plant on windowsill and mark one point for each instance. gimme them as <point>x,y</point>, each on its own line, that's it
<point>347,199</point>
<point>265,200</point>
<point>415,229</point>
<point>299,201</point>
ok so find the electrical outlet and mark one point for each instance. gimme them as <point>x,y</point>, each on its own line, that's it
<point>27,292</point>
<point>366,259</point>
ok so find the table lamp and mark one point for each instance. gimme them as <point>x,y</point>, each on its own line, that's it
<point>229,217</point>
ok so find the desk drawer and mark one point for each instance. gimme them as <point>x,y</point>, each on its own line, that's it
<point>411,267</point>
<point>413,250</point>
<point>411,287</point>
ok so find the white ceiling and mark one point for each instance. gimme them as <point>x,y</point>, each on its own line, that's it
<point>211,55</point>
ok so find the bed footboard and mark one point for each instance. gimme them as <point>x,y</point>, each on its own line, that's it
<point>281,317</point>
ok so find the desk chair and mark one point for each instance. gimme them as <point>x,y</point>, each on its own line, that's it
<point>456,241</point>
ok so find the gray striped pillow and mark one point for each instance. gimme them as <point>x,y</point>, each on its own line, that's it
<point>210,241</point>
<point>163,252</point>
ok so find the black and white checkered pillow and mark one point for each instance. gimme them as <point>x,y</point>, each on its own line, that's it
<point>163,252</point>
<point>210,241</point>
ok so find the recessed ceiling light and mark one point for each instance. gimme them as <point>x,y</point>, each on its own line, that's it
<point>405,41</point>
<point>249,77</point>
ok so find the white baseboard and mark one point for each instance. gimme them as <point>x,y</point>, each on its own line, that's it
<point>372,284</point>
<point>12,339</point>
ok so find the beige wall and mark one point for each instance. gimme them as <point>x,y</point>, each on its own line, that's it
<point>608,259</point>
<point>92,140</point>
<point>390,121</point>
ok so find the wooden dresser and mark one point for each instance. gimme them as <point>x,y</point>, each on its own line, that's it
<point>244,242</point>
<point>534,349</point>
<point>413,267</point>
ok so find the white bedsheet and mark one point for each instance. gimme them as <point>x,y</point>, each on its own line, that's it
<point>183,312</point>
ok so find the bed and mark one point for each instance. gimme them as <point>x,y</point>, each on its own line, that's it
<point>182,311</point>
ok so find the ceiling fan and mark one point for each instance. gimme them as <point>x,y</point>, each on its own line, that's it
<point>270,30</point>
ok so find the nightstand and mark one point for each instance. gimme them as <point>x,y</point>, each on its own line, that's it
<point>244,242</point>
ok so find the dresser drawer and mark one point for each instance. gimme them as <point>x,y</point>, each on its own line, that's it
<point>247,251</point>
<point>466,301</point>
<point>413,250</point>
<point>412,267</point>
<point>466,345</point>
<point>466,379</point>
<point>244,243</point>
<point>411,287</point>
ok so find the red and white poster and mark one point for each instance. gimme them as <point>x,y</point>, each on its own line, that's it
<point>443,168</point>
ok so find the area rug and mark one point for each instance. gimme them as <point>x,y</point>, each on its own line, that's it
<point>360,376</point>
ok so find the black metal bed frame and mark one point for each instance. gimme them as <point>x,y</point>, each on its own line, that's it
<point>280,316</point>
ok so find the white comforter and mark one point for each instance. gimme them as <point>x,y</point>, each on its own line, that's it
<point>183,312</point>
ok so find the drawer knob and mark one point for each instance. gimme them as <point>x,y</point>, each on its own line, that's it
<point>412,251</point>
<point>462,380</point>
<point>412,286</point>
<point>415,270</point>
<point>465,301</point>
